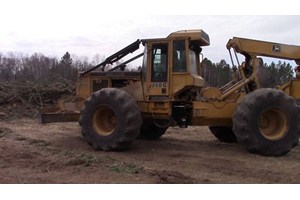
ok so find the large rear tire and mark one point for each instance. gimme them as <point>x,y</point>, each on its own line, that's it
<point>223,133</point>
<point>151,130</point>
<point>110,119</point>
<point>266,122</point>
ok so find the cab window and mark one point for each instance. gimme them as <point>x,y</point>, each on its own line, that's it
<point>179,56</point>
<point>194,51</point>
<point>193,61</point>
<point>159,63</point>
<point>144,66</point>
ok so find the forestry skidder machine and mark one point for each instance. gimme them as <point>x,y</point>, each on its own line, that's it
<point>114,106</point>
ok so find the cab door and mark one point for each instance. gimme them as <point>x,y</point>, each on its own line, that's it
<point>158,79</point>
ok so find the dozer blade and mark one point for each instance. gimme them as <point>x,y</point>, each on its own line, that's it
<point>51,115</point>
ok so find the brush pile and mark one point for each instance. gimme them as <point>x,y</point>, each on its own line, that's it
<point>23,98</point>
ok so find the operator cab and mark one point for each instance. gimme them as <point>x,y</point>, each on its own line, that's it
<point>172,65</point>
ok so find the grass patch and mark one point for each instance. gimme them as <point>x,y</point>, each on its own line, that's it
<point>82,159</point>
<point>108,158</point>
<point>88,159</point>
<point>5,132</point>
<point>36,142</point>
<point>125,168</point>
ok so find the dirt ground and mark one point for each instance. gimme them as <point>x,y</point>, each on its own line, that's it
<point>57,153</point>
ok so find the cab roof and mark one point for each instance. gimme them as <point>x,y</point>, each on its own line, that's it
<point>194,35</point>
<point>197,35</point>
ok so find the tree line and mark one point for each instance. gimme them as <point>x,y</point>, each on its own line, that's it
<point>220,73</point>
<point>38,67</point>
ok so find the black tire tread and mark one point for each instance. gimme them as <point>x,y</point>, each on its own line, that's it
<point>223,133</point>
<point>132,119</point>
<point>252,141</point>
<point>150,131</point>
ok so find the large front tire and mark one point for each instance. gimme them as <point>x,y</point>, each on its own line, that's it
<point>223,133</point>
<point>110,119</point>
<point>153,131</point>
<point>266,122</point>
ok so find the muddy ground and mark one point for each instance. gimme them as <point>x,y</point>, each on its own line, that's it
<point>57,153</point>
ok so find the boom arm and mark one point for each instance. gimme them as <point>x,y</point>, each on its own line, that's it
<point>117,56</point>
<point>253,48</point>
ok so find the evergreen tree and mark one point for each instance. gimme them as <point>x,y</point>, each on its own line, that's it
<point>66,60</point>
<point>66,67</point>
<point>278,74</point>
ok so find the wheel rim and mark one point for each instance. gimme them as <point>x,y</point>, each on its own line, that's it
<point>273,124</point>
<point>104,121</point>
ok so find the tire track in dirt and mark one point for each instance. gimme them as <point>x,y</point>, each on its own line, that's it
<point>39,161</point>
<point>56,153</point>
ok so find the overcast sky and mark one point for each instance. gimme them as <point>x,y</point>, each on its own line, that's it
<point>86,28</point>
